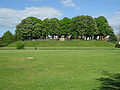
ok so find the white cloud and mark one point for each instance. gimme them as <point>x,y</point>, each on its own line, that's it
<point>68,3</point>
<point>117,13</point>
<point>10,17</point>
<point>115,21</point>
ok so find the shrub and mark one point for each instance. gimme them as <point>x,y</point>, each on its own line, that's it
<point>117,45</point>
<point>3,44</point>
<point>20,46</point>
<point>112,38</point>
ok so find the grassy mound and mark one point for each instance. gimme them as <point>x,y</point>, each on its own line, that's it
<point>64,44</point>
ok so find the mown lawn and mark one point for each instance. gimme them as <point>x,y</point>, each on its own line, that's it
<point>64,44</point>
<point>55,69</point>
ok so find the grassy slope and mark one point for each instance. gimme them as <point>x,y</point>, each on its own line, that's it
<point>55,70</point>
<point>65,44</point>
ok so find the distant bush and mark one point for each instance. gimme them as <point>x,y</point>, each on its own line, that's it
<point>7,37</point>
<point>20,46</point>
<point>3,44</point>
<point>117,45</point>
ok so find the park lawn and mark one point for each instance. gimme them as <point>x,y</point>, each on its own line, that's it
<point>55,69</point>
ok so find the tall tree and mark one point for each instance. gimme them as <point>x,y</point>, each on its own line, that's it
<point>46,27</point>
<point>103,27</point>
<point>84,26</point>
<point>54,28</point>
<point>65,26</point>
<point>38,31</point>
<point>77,25</point>
<point>29,28</point>
<point>90,26</point>
<point>7,37</point>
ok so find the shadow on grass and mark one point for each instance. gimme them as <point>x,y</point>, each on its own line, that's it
<point>109,82</point>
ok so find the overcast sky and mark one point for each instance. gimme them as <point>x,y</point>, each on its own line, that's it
<point>13,11</point>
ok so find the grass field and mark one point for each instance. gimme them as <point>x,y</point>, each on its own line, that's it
<point>64,44</point>
<point>55,69</point>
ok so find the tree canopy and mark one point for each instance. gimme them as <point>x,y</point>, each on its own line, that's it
<point>77,27</point>
<point>7,37</point>
<point>29,28</point>
<point>103,27</point>
<point>65,26</point>
<point>84,26</point>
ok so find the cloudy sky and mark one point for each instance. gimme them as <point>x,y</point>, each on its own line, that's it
<point>13,11</point>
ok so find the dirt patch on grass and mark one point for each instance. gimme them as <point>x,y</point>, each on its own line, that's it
<point>28,58</point>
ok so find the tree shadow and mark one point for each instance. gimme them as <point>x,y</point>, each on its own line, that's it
<point>110,81</point>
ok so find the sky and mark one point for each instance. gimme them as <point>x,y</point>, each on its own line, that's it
<point>13,11</point>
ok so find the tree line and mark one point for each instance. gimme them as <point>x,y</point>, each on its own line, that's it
<point>79,27</point>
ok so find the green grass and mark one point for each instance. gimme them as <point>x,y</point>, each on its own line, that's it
<point>64,44</point>
<point>55,69</point>
<point>62,48</point>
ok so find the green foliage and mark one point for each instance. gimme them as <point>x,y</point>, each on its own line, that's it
<point>46,27</point>
<point>77,27</point>
<point>84,26</point>
<point>3,44</point>
<point>113,38</point>
<point>65,26</point>
<point>7,37</point>
<point>111,82</point>
<point>103,27</point>
<point>117,45</point>
<point>29,28</point>
<point>0,40</point>
<point>54,28</point>
<point>20,45</point>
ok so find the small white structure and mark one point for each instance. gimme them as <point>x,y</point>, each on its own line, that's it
<point>97,37</point>
<point>118,42</point>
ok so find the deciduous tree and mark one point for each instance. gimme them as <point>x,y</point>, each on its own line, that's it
<point>7,37</point>
<point>103,27</point>
<point>29,28</point>
<point>65,26</point>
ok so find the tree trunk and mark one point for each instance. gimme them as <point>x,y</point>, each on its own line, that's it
<point>52,36</point>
